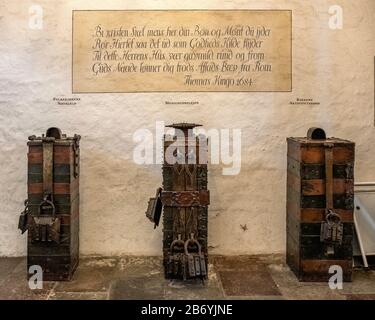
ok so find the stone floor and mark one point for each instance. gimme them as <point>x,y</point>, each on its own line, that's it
<point>242,277</point>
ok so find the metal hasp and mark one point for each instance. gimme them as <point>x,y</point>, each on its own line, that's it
<point>51,213</point>
<point>184,199</point>
<point>320,203</point>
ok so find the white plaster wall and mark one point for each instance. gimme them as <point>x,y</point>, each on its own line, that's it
<point>333,67</point>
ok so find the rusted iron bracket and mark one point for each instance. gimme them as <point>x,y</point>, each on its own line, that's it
<point>154,208</point>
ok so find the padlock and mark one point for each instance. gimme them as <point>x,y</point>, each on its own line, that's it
<point>195,262</point>
<point>332,228</point>
<point>175,262</point>
<point>22,222</point>
<point>331,231</point>
<point>45,227</point>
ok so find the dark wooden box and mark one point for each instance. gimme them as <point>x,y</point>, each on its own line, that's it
<point>306,206</point>
<point>185,178</point>
<point>58,260</point>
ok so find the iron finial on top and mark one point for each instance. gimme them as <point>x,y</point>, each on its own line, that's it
<point>184,125</point>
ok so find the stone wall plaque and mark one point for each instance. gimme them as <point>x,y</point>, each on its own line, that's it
<point>182,50</point>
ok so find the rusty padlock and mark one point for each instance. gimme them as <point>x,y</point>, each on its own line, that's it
<point>45,226</point>
<point>175,259</point>
<point>195,262</point>
<point>331,231</point>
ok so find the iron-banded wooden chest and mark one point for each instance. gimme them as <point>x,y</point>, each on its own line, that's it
<point>184,198</point>
<point>320,199</point>
<point>52,209</point>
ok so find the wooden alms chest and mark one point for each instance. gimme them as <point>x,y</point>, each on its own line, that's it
<point>320,200</point>
<point>52,209</point>
<point>184,198</point>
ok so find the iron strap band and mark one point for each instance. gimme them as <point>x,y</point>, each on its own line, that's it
<point>76,140</point>
<point>47,167</point>
<point>329,174</point>
<point>185,198</point>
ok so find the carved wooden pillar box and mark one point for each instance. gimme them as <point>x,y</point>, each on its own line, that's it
<point>320,200</point>
<point>51,213</point>
<point>185,200</point>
